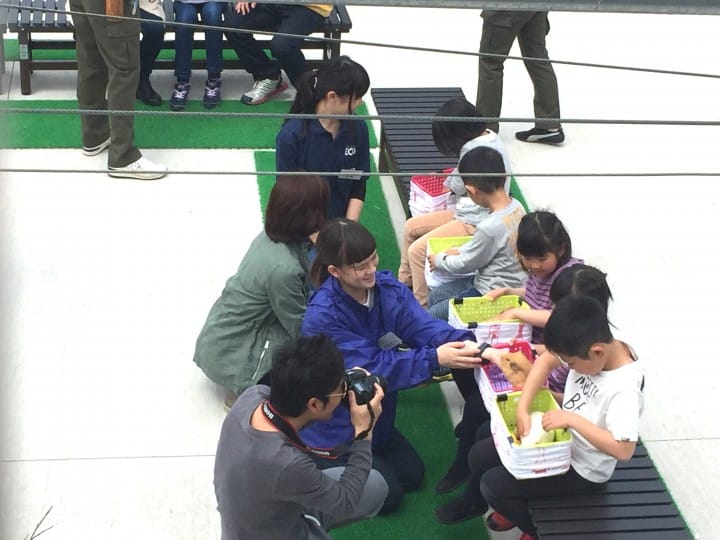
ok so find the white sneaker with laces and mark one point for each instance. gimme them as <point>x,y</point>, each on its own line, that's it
<point>263,90</point>
<point>95,150</point>
<point>142,169</point>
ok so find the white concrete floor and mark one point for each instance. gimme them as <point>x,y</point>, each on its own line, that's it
<point>105,283</point>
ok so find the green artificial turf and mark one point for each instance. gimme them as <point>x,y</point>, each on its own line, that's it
<point>172,130</point>
<point>423,418</point>
<point>12,53</point>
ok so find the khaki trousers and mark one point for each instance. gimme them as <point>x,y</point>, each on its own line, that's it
<point>108,54</point>
<point>500,29</point>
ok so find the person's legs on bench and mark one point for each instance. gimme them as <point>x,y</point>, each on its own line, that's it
<point>185,13</point>
<point>296,20</point>
<point>265,70</point>
<point>211,14</point>
<point>153,33</point>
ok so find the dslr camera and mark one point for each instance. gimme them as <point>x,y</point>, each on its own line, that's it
<point>363,385</point>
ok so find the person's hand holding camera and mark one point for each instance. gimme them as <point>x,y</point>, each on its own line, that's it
<point>360,414</point>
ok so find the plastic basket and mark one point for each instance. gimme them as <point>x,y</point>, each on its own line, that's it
<point>545,459</point>
<point>490,378</point>
<point>440,244</point>
<point>437,245</point>
<point>429,194</point>
<point>431,184</point>
<point>478,314</point>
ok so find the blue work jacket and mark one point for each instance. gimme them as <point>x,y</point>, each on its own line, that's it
<point>357,332</point>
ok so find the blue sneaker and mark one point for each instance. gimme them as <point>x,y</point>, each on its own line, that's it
<point>179,97</point>
<point>212,97</point>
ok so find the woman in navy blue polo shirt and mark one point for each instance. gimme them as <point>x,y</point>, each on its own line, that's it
<point>329,144</point>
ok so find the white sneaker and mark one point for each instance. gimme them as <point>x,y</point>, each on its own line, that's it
<point>263,90</point>
<point>95,150</point>
<point>142,169</point>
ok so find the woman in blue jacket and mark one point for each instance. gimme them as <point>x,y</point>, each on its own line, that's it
<point>379,326</point>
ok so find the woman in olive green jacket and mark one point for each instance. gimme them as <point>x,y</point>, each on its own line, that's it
<point>263,304</point>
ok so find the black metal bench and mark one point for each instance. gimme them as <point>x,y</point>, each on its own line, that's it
<point>407,145</point>
<point>27,22</point>
<point>634,505</point>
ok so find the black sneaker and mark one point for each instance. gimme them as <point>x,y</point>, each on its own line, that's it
<point>458,510</point>
<point>212,96</point>
<point>454,478</point>
<point>541,135</point>
<point>179,97</point>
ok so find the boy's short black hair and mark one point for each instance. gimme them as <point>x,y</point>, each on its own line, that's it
<point>483,159</point>
<point>575,324</point>
<point>302,369</point>
<point>581,280</point>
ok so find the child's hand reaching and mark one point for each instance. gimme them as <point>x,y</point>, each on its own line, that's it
<point>557,419</point>
<point>496,293</point>
<point>511,313</point>
<point>522,419</point>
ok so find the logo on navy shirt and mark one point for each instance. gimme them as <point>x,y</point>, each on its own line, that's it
<point>350,150</point>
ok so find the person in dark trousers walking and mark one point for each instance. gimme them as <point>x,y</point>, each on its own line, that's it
<point>500,29</point>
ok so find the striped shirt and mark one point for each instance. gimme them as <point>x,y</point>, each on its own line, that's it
<point>537,295</point>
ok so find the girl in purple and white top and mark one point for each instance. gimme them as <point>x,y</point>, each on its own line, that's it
<point>545,250</point>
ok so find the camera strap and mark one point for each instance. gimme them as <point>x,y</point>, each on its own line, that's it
<point>360,436</point>
<point>293,438</point>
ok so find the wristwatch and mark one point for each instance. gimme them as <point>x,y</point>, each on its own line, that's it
<point>481,349</point>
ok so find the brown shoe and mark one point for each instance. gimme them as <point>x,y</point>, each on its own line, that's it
<point>230,399</point>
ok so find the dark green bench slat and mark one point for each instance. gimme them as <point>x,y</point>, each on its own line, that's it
<point>580,527</point>
<point>37,16</point>
<point>608,512</point>
<point>61,20</point>
<point>538,507</point>
<point>633,505</point>
<point>625,475</point>
<point>624,535</point>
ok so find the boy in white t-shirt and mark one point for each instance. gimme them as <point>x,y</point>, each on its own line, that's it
<point>601,406</point>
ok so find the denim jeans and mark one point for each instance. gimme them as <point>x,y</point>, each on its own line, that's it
<point>210,14</point>
<point>285,18</point>
<point>439,298</point>
<point>153,34</point>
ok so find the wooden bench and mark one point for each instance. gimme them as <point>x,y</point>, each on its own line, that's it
<point>27,23</point>
<point>634,505</point>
